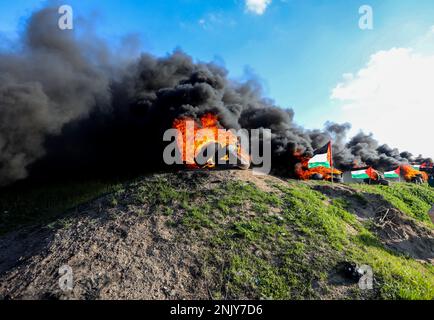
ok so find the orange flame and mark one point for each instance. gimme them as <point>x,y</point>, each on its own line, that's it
<point>303,172</point>
<point>193,137</point>
<point>410,173</point>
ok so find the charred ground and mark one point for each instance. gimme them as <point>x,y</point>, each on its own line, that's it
<point>218,235</point>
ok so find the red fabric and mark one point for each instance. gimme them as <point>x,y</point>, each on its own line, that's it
<point>426,165</point>
<point>371,173</point>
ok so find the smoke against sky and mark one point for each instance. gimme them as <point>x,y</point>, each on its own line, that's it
<point>51,80</point>
<point>68,104</point>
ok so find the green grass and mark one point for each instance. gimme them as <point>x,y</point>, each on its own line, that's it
<point>285,256</point>
<point>280,244</point>
<point>413,200</point>
<point>158,192</point>
<point>399,277</point>
<point>39,205</point>
<point>263,255</point>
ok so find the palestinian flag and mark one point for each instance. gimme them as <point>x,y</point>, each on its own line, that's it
<point>393,174</point>
<point>322,157</point>
<point>362,174</point>
<point>416,167</point>
<point>426,165</point>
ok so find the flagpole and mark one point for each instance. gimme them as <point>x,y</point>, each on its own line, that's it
<point>331,160</point>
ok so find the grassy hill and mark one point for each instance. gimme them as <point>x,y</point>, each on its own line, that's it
<point>216,235</point>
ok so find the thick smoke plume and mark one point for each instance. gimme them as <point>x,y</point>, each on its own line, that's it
<point>67,107</point>
<point>50,81</point>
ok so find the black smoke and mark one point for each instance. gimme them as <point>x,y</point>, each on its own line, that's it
<point>51,80</point>
<point>68,107</point>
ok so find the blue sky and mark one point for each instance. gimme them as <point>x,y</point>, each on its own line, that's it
<point>299,49</point>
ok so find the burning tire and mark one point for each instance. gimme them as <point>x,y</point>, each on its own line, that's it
<point>208,157</point>
<point>317,177</point>
<point>368,181</point>
<point>338,179</point>
<point>242,163</point>
<point>244,166</point>
<point>417,180</point>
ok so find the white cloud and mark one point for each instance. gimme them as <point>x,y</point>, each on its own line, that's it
<point>257,6</point>
<point>392,97</point>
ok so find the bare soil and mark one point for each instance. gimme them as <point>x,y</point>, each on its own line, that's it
<point>116,253</point>
<point>113,255</point>
<point>396,230</point>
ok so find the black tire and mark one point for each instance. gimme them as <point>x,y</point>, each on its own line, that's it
<point>243,166</point>
<point>384,182</point>
<point>317,177</point>
<point>371,181</point>
<point>338,179</point>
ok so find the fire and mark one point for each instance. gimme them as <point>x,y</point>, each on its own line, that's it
<point>193,136</point>
<point>410,173</point>
<point>303,172</point>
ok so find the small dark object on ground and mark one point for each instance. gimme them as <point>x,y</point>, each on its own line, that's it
<point>384,182</point>
<point>317,176</point>
<point>350,270</point>
<point>418,179</point>
<point>338,179</point>
<point>381,182</point>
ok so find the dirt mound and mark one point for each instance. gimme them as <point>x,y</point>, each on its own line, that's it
<point>115,251</point>
<point>132,244</point>
<point>403,234</point>
<point>113,254</point>
<point>395,229</point>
